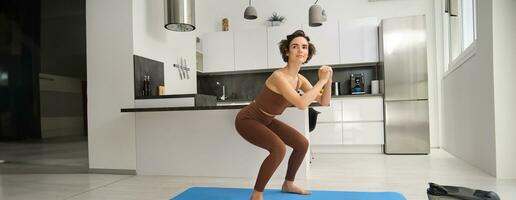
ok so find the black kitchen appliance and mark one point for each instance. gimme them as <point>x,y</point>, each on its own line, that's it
<point>357,83</point>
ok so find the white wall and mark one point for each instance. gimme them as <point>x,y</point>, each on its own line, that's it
<point>152,40</point>
<point>209,13</point>
<point>504,51</point>
<point>468,104</point>
<point>209,19</point>
<point>479,114</point>
<point>109,37</point>
<point>439,65</point>
<point>117,29</point>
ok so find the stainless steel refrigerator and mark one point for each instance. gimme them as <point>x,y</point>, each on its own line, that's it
<point>403,64</point>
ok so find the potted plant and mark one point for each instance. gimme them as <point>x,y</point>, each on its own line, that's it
<point>276,19</point>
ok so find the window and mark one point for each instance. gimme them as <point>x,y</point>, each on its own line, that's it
<point>460,25</point>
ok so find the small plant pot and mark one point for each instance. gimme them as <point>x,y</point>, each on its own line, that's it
<point>275,23</point>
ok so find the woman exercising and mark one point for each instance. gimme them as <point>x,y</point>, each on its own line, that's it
<point>256,122</point>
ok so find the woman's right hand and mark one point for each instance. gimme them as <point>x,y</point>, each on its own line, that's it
<point>324,73</point>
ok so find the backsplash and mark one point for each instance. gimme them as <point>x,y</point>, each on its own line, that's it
<point>147,67</point>
<point>238,86</point>
<point>247,86</point>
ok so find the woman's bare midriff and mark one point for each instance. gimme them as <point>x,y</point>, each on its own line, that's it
<point>266,113</point>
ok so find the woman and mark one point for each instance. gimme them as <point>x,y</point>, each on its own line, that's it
<point>256,122</point>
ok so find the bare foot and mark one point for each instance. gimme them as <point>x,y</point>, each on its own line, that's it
<point>289,187</point>
<point>257,195</point>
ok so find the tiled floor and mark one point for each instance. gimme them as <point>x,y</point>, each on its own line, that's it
<point>357,172</point>
<point>63,155</point>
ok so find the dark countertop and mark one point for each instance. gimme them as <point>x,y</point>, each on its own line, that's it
<point>243,100</point>
<point>182,108</point>
<point>333,97</point>
<point>189,108</point>
<point>171,96</point>
<point>357,95</point>
<point>219,107</point>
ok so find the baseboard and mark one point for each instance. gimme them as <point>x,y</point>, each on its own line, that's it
<point>112,171</point>
<point>347,149</point>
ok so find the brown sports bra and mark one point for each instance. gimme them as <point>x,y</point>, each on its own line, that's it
<point>271,102</point>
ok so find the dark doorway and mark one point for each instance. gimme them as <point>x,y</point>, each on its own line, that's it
<point>43,86</point>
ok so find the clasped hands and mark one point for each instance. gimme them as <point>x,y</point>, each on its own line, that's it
<point>325,73</point>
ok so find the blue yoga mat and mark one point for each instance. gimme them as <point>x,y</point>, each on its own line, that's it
<point>213,193</point>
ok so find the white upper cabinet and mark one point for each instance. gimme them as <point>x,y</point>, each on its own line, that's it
<point>251,49</point>
<point>358,40</point>
<point>218,52</point>
<point>326,41</point>
<point>274,35</point>
<point>345,42</point>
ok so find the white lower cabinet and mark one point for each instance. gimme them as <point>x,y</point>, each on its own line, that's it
<point>363,133</point>
<point>326,133</point>
<point>349,122</point>
<point>332,113</point>
<point>362,109</point>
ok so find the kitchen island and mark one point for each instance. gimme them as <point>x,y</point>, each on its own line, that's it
<point>202,141</point>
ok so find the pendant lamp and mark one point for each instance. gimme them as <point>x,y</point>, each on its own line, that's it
<point>250,12</point>
<point>316,15</point>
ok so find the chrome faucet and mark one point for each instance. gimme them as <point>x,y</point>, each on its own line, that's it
<point>223,97</point>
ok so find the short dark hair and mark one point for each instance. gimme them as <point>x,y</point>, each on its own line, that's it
<point>284,45</point>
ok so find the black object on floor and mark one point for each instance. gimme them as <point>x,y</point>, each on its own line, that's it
<point>312,118</point>
<point>438,192</point>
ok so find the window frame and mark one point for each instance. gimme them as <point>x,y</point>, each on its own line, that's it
<point>452,64</point>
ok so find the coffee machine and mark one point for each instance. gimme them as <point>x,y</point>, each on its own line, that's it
<point>357,83</point>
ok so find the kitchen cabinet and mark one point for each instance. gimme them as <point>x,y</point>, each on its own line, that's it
<point>218,52</point>
<point>332,113</point>
<point>327,133</point>
<point>274,35</point>
<point>350,121</point>
<point>251,49</point>
<point>362,109</point>
<point>343,42</point>
<point>362,133</point>
<point>358,40</point>
<point>325,39</point>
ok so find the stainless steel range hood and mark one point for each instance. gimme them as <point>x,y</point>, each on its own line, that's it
<point>180,15</point>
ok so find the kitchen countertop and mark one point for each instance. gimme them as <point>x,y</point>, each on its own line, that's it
<point>340,96</point>
<point>357,95</point>
<point>167,96</point>
<point>219,107</point>
<point>243,100</point>
<point>189,108</point>
<point>182,108</point>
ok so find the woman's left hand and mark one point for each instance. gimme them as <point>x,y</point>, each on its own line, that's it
<point>327,68</point>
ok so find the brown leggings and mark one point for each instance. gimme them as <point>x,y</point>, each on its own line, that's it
<point>271,134</point>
